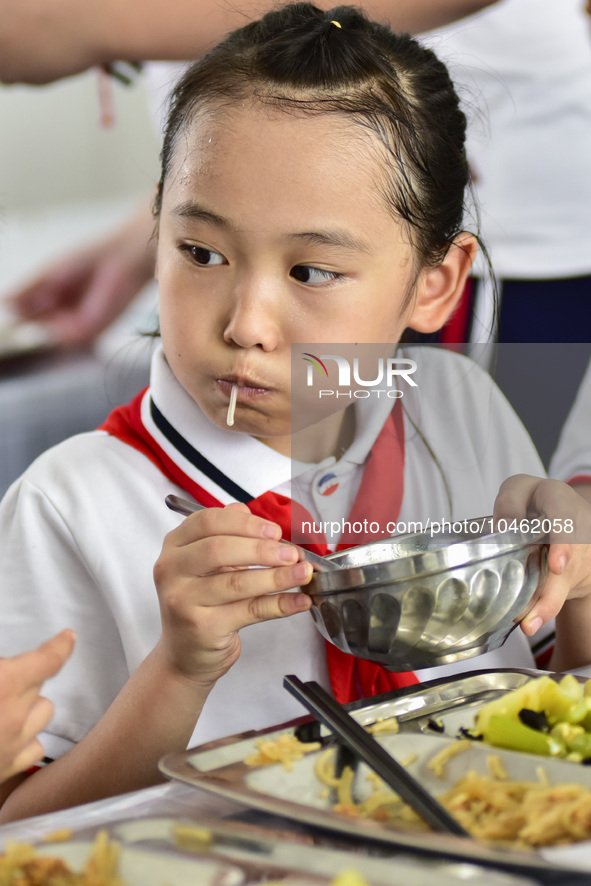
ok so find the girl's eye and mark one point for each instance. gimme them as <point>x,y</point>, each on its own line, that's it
<point>203,256</point>
<point>312,276</point>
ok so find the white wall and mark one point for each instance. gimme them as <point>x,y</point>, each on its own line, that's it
<point>53,150</point>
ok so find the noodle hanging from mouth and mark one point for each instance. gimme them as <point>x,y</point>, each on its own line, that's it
<point>232,406</point>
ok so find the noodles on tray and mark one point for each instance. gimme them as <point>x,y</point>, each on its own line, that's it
<point>491,807</point>
<point>20,865</point>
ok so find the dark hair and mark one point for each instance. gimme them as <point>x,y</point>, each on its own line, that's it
<point>298,59</point>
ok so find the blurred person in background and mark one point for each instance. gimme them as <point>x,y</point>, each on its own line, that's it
<point>43,40</point>
<point>524,67</point>
<point>572,460</point>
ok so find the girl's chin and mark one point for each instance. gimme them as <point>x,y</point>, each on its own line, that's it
<point>255,425</point>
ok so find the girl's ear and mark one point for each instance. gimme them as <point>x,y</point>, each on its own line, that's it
<point>439,289</point>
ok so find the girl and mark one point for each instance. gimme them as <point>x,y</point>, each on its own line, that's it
<point>312,188</point>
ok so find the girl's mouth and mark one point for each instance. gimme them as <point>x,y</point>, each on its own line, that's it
<point>246,390</point>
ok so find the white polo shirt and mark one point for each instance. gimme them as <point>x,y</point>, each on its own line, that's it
<point>81,529</point>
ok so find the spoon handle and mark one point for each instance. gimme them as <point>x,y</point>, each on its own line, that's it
<point>185,506</point>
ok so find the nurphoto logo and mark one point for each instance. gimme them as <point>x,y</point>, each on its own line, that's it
<point>387,374</point>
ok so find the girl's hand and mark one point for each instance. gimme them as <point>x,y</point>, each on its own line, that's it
<point>23,711</point>
<point>569,557</point>
<point>208,592</point>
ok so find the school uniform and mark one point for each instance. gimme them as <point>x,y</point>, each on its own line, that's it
<point>572,460</point>
<point>81,529</point>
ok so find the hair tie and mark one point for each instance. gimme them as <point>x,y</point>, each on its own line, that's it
<point>336,24</point>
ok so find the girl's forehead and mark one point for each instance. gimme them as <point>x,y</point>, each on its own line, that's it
<point>252,132</point>
<point>253,151</point>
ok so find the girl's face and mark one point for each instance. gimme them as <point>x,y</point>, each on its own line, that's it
<point>274,230</point>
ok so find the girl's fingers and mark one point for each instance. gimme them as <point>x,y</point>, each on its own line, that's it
<point>554,593</point>
<point>227,620</point>
<point>233,520</point>
<point>236,585</point>
<point>514,496</point>
<point>567,578</point>
<point>208,556</point>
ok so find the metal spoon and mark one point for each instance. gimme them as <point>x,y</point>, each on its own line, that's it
<point>186,506</point>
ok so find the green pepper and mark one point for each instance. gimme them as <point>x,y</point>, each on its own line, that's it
<point>504,732</point>
<point>581,744</point>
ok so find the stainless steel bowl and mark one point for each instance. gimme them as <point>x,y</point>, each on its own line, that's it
<point>413,601</point>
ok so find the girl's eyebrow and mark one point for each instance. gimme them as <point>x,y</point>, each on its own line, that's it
<point>342,239</point>
<point>191,210</point>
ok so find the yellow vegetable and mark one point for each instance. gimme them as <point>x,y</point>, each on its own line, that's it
<point>349,877</point>
<point>566,705</point>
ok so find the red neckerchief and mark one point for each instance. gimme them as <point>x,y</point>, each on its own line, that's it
<point>351,678</point>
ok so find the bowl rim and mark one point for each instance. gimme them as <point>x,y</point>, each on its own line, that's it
<point>464,552</point>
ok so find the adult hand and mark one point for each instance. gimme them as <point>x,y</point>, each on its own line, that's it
<point>208,590</point>
<point>79,296</point>
<point>23,711</point>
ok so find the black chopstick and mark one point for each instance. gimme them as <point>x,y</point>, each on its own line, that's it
<point>333,715</point>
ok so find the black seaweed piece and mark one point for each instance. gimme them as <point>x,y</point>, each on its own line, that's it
<point>534,719</point>
<point>435,725</point>
<point>465,733</point>
<point>308,733</point>
<point>345,757</point>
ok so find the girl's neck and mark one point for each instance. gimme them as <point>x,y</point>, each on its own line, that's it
<point>330,437</point>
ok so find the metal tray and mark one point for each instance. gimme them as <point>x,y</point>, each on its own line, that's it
<point>146,867</point>
<point>219,767</point>
<point>265,856</point>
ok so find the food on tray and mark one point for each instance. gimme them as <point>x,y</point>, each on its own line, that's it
<point>491,807</point>
<point>286,749</point>
<point>58,836</point>
<point>192,836</point>
<point>438,762</point>
<point>349,877</point>
<point>541,717</point>
<point>21,865</point>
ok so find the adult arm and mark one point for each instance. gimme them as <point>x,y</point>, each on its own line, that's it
<point>83,292</point>
<point>43,40</point>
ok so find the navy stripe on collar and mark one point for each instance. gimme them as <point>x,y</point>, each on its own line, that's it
<point>196,458</point>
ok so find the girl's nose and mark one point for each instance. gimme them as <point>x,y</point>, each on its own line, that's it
<point>254,318</point>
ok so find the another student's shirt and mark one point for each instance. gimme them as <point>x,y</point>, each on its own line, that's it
<point>572,460</point>
<point>81,530</point>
